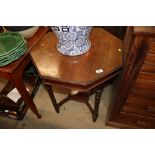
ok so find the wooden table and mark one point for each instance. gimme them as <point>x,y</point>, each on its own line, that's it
<point>79,72</point>
<point>13,72</point>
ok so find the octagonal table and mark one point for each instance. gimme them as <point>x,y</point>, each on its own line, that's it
<point>86,73</point>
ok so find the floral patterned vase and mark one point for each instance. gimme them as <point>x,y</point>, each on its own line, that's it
<point>72,40</point>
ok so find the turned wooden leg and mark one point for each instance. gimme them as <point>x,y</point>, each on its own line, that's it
<point>98,94</point>
<point>25,95</point>
<point>52,97</point>
<point>36,87</point>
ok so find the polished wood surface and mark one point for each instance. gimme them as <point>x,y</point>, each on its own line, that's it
<point>105,53</point>
<point>139,104</point>
<point>133,105</point>
<point>144,30</point>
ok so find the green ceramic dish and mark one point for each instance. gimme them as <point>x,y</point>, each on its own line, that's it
<point>10,61</point>
<point>9,42</point>
<point>8,55</point>
<point>5,60</point>
<point>13,57</point>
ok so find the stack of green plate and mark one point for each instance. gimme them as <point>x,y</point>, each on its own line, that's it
<point>12,47</point>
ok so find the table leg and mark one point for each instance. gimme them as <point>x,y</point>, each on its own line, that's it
<point>8,87</point>
<point>98,94</point>
<point>52,97</point>
<point>25,95</point>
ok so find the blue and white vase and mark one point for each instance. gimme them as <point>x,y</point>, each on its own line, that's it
<point>72,40</point>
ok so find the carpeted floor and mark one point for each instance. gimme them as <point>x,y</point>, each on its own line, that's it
<point>73,115</point>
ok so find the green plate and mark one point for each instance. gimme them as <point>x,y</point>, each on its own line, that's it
<point>9,42</point>
<point>15,52</point>
<point>14,57</point>
<point>20,50</point>
<point>10,61</point>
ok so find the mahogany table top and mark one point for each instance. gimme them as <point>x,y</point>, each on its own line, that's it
<point>104,55</point>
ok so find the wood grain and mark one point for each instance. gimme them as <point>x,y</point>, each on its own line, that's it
<point>133,105</point>
<point>81,70</point>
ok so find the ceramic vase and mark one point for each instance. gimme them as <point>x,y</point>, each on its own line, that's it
<point>72,40</point>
